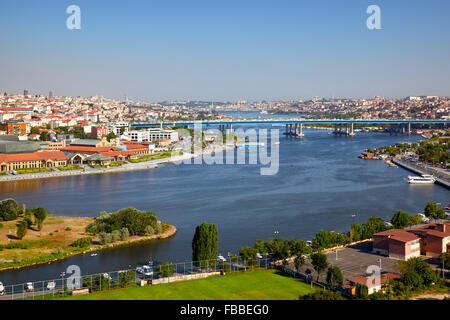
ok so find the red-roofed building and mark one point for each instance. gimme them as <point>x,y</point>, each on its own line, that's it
<point>430,240</point>
<point>372,283</point>
<point>51,159</point>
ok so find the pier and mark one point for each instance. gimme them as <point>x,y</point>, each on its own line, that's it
<point>442,177</point>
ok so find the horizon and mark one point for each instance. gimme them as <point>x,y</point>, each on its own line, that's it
<point>222,52</point>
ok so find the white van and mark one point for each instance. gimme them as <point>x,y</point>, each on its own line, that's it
<point>2,289</point>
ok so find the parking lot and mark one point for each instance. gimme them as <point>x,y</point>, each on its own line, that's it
<point>353,261</point>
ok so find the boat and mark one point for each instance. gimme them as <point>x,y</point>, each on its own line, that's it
<point>145,270</point>
<point>424,179</point>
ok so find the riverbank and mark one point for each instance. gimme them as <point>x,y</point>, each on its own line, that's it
<point>54,242</point>
<point>442,178</point>
<point>152,164</point>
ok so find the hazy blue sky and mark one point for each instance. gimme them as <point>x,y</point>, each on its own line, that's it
<point>226,50</point>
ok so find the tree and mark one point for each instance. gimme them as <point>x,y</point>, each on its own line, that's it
<point>334,276</point>
<point>416,273</point>
<point>39,214</point>
<point>205,244</point>
<point>320,262</point>
<point>110,136</point>
<point>126,279</point>
<point>35,130</point>
<point>9,210</point>
<point>400,219</point>
<point>299,261</point>
<point>444,258</point>
<point>361,291</point>
<point>22,229</point>
<point>433,211</point>
<point>250,256</point>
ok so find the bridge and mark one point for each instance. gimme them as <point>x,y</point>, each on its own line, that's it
<point>294,126</point>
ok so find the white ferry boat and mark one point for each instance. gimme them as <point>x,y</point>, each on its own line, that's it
<point>424,179</point>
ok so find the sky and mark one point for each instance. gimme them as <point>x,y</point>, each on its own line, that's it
<point>225,50</point>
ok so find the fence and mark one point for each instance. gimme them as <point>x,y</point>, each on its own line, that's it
<point>160,273</point>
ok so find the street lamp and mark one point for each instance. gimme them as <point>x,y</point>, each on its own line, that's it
<point>62,274</point>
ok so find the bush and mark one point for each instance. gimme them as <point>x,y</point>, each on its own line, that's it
<point>159,227</point>
<point>124,234</point>
<point>22,229</point>
<point>82,242</point>
<point>126,279</point>
<point>105,238</point>
<point>134,220</point>
<point>149,230</point>
<point>1,225</point>
<point>166,270</point>
<point>115,235</point>
<point>322,295</point>
<point>68,229</point>
<point>9,210</point>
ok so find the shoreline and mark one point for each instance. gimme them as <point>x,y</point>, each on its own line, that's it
<point>166,234</point>
<point>127,167</point>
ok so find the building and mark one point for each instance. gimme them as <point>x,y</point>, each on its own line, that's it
<point>371,283</point>
<point>434,238</point>
<point>99,132</point>
<point>52,146</point>
<point>11,144</point>
<point>150,135</point>
<point>52,159</point>
<point>397,244</point>
<point>16,128</point>
<point>91,143</point>
<point>430,240</point>
<point>159,134</point>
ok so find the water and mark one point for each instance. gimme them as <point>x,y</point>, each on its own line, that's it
<point>320,185</point>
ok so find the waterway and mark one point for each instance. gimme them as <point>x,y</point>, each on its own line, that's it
<point>321,184</point>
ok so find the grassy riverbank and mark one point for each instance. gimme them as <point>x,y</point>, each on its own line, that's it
<point>54,241</point>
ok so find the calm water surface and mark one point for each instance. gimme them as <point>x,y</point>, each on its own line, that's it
<point>321,183</point>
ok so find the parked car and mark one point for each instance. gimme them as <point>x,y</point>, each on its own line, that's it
<point>2,289</point>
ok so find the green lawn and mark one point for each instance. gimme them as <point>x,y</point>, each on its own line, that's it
<point>257,285</point>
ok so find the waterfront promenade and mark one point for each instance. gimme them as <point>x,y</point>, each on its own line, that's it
<point>442,176</point>
<point>88,170</point>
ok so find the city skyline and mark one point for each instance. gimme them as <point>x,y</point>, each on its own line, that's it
<point>155,51</point>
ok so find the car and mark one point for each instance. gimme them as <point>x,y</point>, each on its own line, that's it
<point>2,289</point>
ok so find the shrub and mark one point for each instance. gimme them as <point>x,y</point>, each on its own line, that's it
<point>134,220</point>
<point>105,238</point>
<point>1,225</point>
<point>82,242</point>
<point>68,229</point>
<point>126,279</point>
<point>124,234</point>
<point>22,229</point>
<point>115,235</point>
<point>159,227</point>
<point>166,270</point>
<point>149,230</point>
<point>9,210</point>
<point>322,295</point>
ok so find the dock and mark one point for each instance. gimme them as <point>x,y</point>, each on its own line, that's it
<point>442,178</point>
